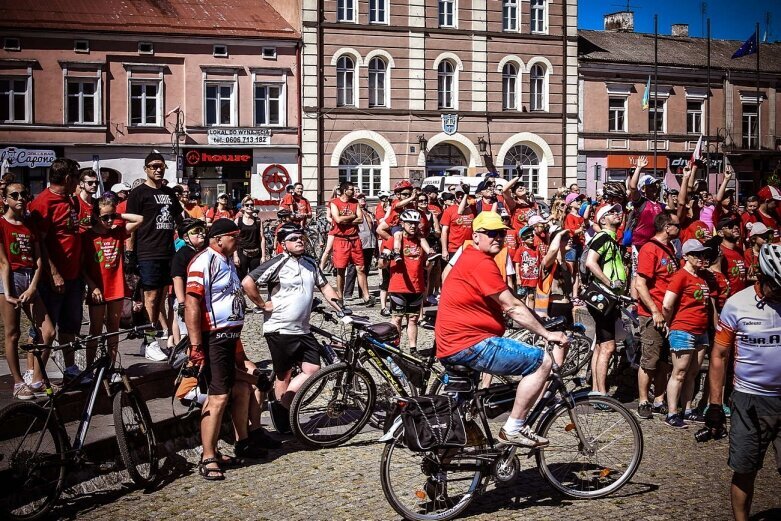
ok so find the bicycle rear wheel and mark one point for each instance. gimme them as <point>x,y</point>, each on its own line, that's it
<point>32,464</point>
<point>332,406</point>
<point>135,437</point>
<point>578,355</point>
<point>434,485</point>
<point>613,456</point>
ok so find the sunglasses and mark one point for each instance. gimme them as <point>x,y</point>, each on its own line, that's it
<point>405,194</point>
<point>156,166</point>
<point>90,183</point>
<point>109,217</point>
<point>197,231</point>
<point>294,238</point>
<point>494,234</point>
<point>19,195</point>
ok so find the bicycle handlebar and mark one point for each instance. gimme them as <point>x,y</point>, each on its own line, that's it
<point>81,342</point>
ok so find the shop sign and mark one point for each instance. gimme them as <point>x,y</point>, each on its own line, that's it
<point>27,157</point>
<point>449,124</point>
<point>239,136</point>
<point>275,178</point>
<point>630,161</point>
<point>211,157</point>
<point>679,161</point>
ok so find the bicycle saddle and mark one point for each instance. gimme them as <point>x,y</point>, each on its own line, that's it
<point>554,324</point>
<point>458,370</point>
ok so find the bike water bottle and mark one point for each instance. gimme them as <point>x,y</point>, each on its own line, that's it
<point>396,370</point>
<point>328,353</point>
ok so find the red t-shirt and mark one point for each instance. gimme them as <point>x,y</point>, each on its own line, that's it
<point>85,215</point>
<point>752,262</point>
<point>467,315</point>
<point>733,266</point>
<point>719,288</point>
<point>771,223</point>
<point>57,217</point>
<point>18,244</point>
<point>691,311</point>
<point>103,255</point>
<point>459,226</point>
<point>345,208</point>
<point>521,215</point>
<point>278,249</point>
<point>696,230</point>
<point>379,211</point>
<point>528,260</point>
<point>297,205</point>
<point>408,276</point>
<point>745,219</point>
<point>573,223</point>
<point>214,214</point>
<point>657,266</point>
<point>541,243</point>
<point>511,240</point>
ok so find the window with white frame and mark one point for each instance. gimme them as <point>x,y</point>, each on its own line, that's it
<point>523,161</point>
<point>377,82</point>
<point>345,10</point>
<point>345,82</point>
<point>694,117</point>
<point>538,16</point>
<point>269,105</point>
<point>537,87</point>
<point>510,15</point>
<point>378,11</point>
<point>750,126</point>
<point>360,164</point>
<point>656,119</point>
<point>616,114</point>
<point>510,87</point>
<point>81,101</point>
<point>14,102</point>
<point>220,103</point>
<point>446,73</point>
<point>447,13</point>
<point>146,103</point>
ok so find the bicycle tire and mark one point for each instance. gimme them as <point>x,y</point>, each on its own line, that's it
<point>578,355</point>
<point>136,437</point>
<point>420,477</point>
<point>587,479</point>
<point>32,467</point>
<point>341,404</point>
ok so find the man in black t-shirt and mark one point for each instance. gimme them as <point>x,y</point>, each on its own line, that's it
<point>154,240</point>
<point>193,233</point>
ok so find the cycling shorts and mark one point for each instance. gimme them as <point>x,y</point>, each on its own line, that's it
<point>406,303</point>
<point>220,347</point>
<point>287,351</point>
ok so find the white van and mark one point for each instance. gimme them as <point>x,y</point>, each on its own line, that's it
<point>443,182</point>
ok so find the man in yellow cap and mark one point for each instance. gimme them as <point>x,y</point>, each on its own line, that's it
<point>470,327</point>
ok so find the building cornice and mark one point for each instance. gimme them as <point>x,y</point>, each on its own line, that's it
<point>435,113</point>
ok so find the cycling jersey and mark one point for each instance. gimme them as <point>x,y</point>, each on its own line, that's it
<point>753,326</point>
<point>212,277</point>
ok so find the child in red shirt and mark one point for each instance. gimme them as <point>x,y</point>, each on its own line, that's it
<point>527,265</point>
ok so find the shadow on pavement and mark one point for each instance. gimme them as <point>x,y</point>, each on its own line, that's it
<point>767,515</point>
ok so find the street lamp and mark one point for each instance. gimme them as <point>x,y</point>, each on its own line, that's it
<point>423,142</point>
<point>482,144</point>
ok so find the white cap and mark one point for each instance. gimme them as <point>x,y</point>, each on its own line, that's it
<point>537,219</point>
<point>758,229</point>
<point>607,208</point>
<point>120,187</point>
<point>223,194</point>
<point>648,179</point>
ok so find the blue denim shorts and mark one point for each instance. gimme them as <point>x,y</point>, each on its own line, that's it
<point>683,341</point>
<point>500,356</point>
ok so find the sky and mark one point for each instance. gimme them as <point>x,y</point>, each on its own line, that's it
<point>730,19</point>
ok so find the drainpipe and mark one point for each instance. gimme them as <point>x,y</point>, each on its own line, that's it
<point>300,80</point>
<point>564,100</point>
<point>320,100</point>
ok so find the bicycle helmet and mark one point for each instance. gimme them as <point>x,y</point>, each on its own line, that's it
<point>410,216</point>
<point>770,262</point>
<point>284,213</point>
<point>188,224</point>
<point>615,190</point>
<point>288,229</point>
<point>383,193</point>
<point>401,185</point>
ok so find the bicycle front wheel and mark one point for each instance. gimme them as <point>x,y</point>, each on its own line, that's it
<point>135,437</point>
<point>332,406</point>
<point>433,485</point>
<point>578,355</point>
<point>32,463</point>
<point>599,463</point>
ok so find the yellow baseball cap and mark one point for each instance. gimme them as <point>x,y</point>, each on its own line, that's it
<point>488,221</point>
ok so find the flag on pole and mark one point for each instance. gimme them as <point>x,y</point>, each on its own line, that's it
<point>647,94</point>
<point>750,46</point>
<point>697,154</point>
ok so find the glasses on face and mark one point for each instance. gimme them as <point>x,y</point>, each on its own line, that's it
<point>90,183</point>
<point>108,217</point>
<point>405,194</point>
<point>613,212</point>
<point>156,166</point>
<point>24,194</point>
<point>197,231</point>
<point>294,238</point>
<point>422,201</point>
<point>494,234</point>
<point>527,236</point>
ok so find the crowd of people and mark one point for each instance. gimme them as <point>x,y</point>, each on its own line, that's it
<point>693,261</point>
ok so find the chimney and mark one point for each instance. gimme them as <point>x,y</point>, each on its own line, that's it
<point>620,22</point>
<point>680,30</point>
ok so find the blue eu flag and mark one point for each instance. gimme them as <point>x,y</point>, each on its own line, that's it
<point>750,46</point>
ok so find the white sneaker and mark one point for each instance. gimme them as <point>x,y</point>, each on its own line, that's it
<point>115,378</point>
<point>28,376</point>
<point>154,353</point>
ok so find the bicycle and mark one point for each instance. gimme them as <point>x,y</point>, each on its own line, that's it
<point>36,451</point>
<point>440,484</point>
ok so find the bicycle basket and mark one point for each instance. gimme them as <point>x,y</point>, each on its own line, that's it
<point>432,422</point>
<point>384,332</point>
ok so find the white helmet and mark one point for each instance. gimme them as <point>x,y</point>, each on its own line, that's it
<point>383,193</point>
<point>410,216</point>
<point>770,262</point>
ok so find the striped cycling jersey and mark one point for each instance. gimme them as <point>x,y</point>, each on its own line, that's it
<point>212,277</point>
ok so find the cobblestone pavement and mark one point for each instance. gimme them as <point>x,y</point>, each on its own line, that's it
<point>677,479</point>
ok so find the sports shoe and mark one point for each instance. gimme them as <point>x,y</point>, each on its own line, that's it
<point>369,302</point>
<point>28,376</point>
<point>659,408</point>
<point>155,353</point>
<point>280,417</point>
<point>261,438</point>
<point>676,421</point>
<point>644,410</point>
<point>694,417</point>
<point>246,449</point>
<point>22,392</point>
<point>39,390</point>
<point>523,438</point>
<point>71,373</point>
<point>385,312</point>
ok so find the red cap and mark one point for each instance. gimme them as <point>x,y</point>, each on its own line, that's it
<point>767,193</point>
<point>401,185</point>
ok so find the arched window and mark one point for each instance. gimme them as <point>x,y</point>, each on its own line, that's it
<point>345,81</point>
<point>510,87</point>
<point>446,85</point>
<point>360,164</point>
<point>445,159</point>
<point>523,160</point>
<point>537,87</point>
<point>377,82</point>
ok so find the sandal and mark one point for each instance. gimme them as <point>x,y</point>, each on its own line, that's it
<point>226,461</point>
<point>208,473</point>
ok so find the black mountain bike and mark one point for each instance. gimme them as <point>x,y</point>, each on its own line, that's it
<point>596,446</point>
<point>36,451</point>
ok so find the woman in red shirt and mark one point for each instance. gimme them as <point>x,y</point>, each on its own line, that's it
<point>221,210</point>
<point>103,249</point>
<point>20,271</point>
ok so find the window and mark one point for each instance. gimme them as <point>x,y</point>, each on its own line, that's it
<point>345,82</point>
<point>510,15</point>
<point>445,85</point>
<point>270,53</point>
<point>447,13</point>
<point>220,51</point>
<point>345,10</point>
<point>378,11</point>
<point>523,157</point>
<point>510,87</point>
<point>694,117</point>
<point>146,48</point>
<point>537,99</point>
<point>82,101</point>
<point>656,115</point>
<point>538,24</point>
<point>360,164</point>
<point>145,103</point>
<point>750,126</point>
<point>268,104</point>
<point>81,46</point>
<point>377,77</point>
<point>220,104</point>
<point>617,114</point>
<point>13,100</point>
<point>12,44</point>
